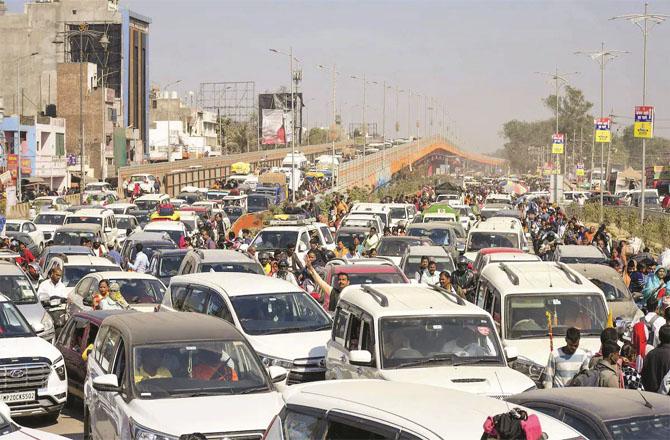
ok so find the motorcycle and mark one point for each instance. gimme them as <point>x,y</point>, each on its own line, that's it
<point>56,308</point>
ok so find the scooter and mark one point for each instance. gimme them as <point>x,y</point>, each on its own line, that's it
<point>56,308</point>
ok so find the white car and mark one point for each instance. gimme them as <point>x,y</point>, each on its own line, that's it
<point>298,234</point>
<point>420,334</point>
<point>97,216</point>
<point>48,221</point>
<point>97,188</point>
<point>356,219</point>
<point>33,379</point>
<point>377,409</point>
<point>27,227</point>
<point>467,217</point>
<point>126,224</point>
<point>146,182</point>
<point>45,203</point>
<point>10,430</point>
<point>121,207</point>
<point>283,323</point>
<point>176,230</point>
<point>493,233</point>
<point>164,375</point>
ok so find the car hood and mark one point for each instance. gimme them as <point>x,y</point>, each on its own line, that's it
<point>47,228</point>
<point>206,414</point>
<point>475,379</point>
<point>32,312</point>
<point>537,350</point>
<point>29,346</point>
<point>31,434</point>
<point>291,346</point>
<point>625,309</point>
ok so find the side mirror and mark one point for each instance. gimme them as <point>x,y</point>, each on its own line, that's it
<point>277,373</point>
<point>108,230</point>
<point>37,327</point>
<point>88,301</point>
<point>361,358</point>
<point>460,247</point>
<point>107,383</point>
<point>511,353</point>
<point>302,247</point>
<point>524,248</point>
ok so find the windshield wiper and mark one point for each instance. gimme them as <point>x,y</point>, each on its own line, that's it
<point>253,389</point>
<point>539,335</point>
<point>469,360</point>
<point>283,330</point>
<point>430,360</point>
<point>201,392</point>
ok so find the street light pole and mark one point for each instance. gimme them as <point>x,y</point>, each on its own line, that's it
<point>169,116</point>
<point>19,104</point>
<point>645,22</point>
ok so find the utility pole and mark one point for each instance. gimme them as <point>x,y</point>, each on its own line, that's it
<point>645,22</point>
<point>409,113</point>
<point>602,57</point>
<point>17,143</point>
<point>332,158</point>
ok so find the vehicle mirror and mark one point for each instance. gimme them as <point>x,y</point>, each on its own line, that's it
<point>107,383</point>
<point>524,248</point>
<point>37,327</point>
<point>460,247</point>
<point>361,358</point>
<point>511,353</point>
<point>277,373</point>
<point>302,247</point>
<point>5,412</point>
<point>88,301</point>
<point>108,230</point>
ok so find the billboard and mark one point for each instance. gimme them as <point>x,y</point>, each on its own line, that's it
<point>558,143</point>
<point>282,102</point>
<point>603,133</point>
<point>644,122</point>
<point>272,127</point>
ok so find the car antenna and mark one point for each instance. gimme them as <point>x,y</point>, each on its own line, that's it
<point>501,390</point>
<point>551,284</point>
<point>646,402</point>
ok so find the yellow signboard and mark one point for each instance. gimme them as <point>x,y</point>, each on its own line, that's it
<point>644,122</point>
<point>580,172</point>
<point>556,148</point>
<point>558,143</point>
<point>603,136</point>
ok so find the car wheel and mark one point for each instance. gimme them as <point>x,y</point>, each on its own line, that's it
<point>51,418</point>
<point>88,434</point>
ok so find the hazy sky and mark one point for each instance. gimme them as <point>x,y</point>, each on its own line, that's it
<point>477,57</point>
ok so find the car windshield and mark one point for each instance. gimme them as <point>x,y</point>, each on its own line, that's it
<point>279,313</point>
<point>348,238</point>
<point>395,248</point>
<point>124,223</point>
<point>169,265</point>
<point>13,227</point>
<point>398,213</point>
<point>49,219</point>
<point>439,237</point>
<point>614,290</point>
<point>146,205</point>
<point>258,202</point>
<point>120,210</point>
<point>583,260</point>
<point>412,264</point>
<point>140,291</point>
<point>197,368</point>
<point>18,289</point>
<point>527,315</point>
<point>72,274</point>
<point>250,267</point>
<point>275,239</point>
<point>150,247</point>
<point>438,340</point>
<point>374,278</point>
<point>441,218</point>
<point>648,428</point>
<point>12,322</point>
<point>175,235</point>
<point>83,219</point>
<point>483,240</point>
<point>71,238</point>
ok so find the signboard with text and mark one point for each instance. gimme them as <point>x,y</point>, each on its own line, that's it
<point>558,143</point>
<point>644,122</point>
<point>580,169</point>
<point>603,132</point>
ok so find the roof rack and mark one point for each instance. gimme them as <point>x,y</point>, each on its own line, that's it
<point>448,294</point>
<point>514,278</point>
<point>568,273</point>
<point>376,295</point>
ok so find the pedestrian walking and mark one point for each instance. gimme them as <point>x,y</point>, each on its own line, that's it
<point>565,362</point>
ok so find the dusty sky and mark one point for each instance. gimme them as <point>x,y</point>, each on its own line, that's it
<point>477,57</point>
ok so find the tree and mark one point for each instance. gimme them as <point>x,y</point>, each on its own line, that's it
<point>317,136</point>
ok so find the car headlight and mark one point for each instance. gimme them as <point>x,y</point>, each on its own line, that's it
<point>59,367</point>
<point>269,361</point>
<point>48,323</point>
<point>139,432</point>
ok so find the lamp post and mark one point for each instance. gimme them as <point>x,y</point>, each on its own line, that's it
<point>19,100</point>
<point>332,134</point>
<point>365,126</point>
<point>645,22</point>
<point>291,59</point>
<point>83,31</point>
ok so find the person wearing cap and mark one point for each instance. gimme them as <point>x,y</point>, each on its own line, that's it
<point>284,274</point>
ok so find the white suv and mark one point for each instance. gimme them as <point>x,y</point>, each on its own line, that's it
<point>419,334</point>
<point>284,324</point>
<point>97,216</point>
<point>33,379</point>
<point>376,409</point>
<point>495,232</point>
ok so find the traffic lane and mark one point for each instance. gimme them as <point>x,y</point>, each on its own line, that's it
<point>70,423</point>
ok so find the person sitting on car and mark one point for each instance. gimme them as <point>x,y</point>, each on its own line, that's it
<point>151,366</point>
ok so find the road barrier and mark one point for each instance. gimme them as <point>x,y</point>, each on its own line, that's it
<point>22,210</point>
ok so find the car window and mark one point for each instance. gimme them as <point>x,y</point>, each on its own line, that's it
<point>108,349</point>
<point>340,325</point>
<point>82,290</point>
<point>178,295</point>
<point>354,333</point>
<point>98,343</point>
<point>75,338</point>
<point>579,423</point>
<point>368,338</point>
<point>196,301</point>
<point>326,234</point>
<point>64,336</point>
<point>302,426</point>
<point>120,362</point>
<point>345,427</point>
<point>218,307</point>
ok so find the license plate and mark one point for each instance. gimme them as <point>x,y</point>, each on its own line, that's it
<point>23,396</point>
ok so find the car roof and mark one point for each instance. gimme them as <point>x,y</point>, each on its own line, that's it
<point>575,250</point>
<point>433,225</point>
<point>88,227</point>
<point>537,276</point>
<point>91,212</point>
<point>401,238</point>
<point>121,274</point>
<point>97,316</point>
<point>507,250</point>
<point>512,256</point>
<point>150,328</point>
<point>238,284</point>
<point>119,205</point>
<point>17,220</point>
<point>366,268</point>
<point>148,236</point>
<point>177,251</point>
<point>494,224</point>
<point>406,300</point>
<point>429,251</point>
<point>218,255</point>
<point>603,403</point>
<point>86,260</point>
<point>164,225</point>
<point>10,268</point>
<point>598,271</point>
<point>353,229</point>
<point>151,197</point>
<point>52,212</point>
<point>62,249</point>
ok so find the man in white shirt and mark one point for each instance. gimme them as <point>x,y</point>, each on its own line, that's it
<point>371,241</point>
<point>52,286</point>
<point>432,276</point>
<point>141,263</point>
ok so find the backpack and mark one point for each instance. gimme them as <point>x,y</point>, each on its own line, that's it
<point>588,377</point>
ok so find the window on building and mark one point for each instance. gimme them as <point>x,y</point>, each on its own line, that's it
<point>60,144</point>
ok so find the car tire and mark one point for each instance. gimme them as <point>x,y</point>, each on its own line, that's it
<point>51,418</point>
<point>88,434</point>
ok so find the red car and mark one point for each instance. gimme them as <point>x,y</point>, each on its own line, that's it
<point>361,271</point>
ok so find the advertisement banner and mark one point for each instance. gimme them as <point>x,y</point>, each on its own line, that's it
<point>644,122</point>
<point>26,167</point>
<point>557,143</point>
<point>603,133</point>
<point>580,169</point>
<point>273,127</point>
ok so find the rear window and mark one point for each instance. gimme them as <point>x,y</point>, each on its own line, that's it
<point>232,267</point>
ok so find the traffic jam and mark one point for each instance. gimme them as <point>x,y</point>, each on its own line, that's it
<point>467,307</point>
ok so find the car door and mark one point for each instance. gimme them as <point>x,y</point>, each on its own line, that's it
<point>100,401</point>
<point>218,307</point>
<point>336,353</point>
<point>367,342</point>
<point>345,425</point>
<point>351,342</point>
<point>72,343</point>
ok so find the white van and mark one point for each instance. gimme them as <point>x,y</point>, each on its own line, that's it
<point>383,210</point>
<point>297,160</point>
<point>525,297</point>
<point>97,216</point>
<point>401,213</point>
<point>495,232</point>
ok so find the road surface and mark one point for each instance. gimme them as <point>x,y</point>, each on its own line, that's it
<point>70,423</point>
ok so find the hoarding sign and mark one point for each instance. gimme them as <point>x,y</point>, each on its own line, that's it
<point>273,127</point>
<point>644,122</point>
<point>580,169</point>
<point>603,132</point>
<point>557,143</point>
